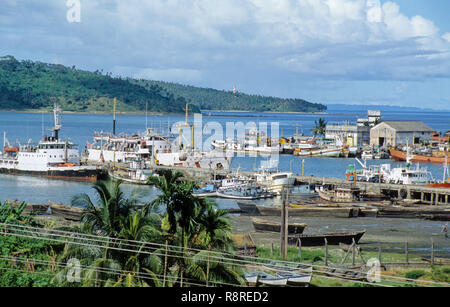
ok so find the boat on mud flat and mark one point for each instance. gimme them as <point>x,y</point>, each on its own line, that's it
<point>296,279</point>
<point>248,208</point>
<point>50,158</point>
<point>259,277</point>
<point>264,225</point>
<point>332,238</point>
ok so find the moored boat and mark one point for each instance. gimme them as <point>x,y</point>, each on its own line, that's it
<point>50,158</point>
<point>399,155</point>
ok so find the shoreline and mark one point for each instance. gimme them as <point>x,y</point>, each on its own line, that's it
<point>202,112</point>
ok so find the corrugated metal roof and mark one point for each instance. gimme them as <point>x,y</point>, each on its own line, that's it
<point>409,126</point>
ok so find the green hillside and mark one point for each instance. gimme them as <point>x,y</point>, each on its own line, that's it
<point>27,85</point>
<point>211,99</point>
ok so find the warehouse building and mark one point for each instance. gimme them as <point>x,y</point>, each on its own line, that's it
<point>394,133</point>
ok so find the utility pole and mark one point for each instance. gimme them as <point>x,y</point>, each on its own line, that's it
<point>284,224</point>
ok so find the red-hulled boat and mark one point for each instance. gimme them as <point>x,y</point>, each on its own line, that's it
<point>399,155</point>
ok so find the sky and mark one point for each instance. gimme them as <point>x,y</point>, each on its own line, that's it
<point>369,52</point>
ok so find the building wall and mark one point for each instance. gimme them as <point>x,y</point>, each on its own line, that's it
<point>393,138</point>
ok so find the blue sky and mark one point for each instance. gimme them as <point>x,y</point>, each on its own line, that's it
<point>327,51</point>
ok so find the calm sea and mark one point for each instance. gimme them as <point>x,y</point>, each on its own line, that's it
<point>22,127</point>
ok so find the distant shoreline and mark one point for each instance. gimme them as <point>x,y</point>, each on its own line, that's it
<point>136,113</point>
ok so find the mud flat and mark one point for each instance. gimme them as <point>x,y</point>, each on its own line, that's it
<point>392,233</point>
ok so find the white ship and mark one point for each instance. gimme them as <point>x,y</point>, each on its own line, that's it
<point>125,148</point>
<point>194,159</point>
<point>254,141</point>
<point>276,182</point>
<point>51,158</point>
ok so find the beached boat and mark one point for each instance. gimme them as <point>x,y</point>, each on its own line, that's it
<point>259,277</point>
<point>248,208</point>
<point>305,211</point>
<point>296,279</point>
<point>332,238</point>
<point>264,225</point>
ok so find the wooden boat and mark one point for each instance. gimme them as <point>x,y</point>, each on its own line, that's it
<point>259,277</point>
<point>332,238</point>
<point>340,194</point>
<point>264,225</point>
<point>399,155</point>
<point>311,212</point>
<point>248,208</point>
<point>295,279</point>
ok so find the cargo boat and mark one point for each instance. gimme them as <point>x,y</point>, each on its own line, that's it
<point>51,158</point>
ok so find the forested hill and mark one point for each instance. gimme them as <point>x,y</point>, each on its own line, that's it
<point>212,99</point>
<point>27,85</point>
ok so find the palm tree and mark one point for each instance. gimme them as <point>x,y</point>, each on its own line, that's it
<point>106,218</point>
<point>319,127</point>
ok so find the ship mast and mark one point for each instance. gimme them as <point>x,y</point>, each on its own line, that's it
<point>114,117</point>
<point>58,126</point>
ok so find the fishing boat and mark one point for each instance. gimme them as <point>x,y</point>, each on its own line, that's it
<point>51,158</point>
<point>399,155</point>
<point>332,238</point>
<point>330,152</point>
<point>209,190</point>
<point>264,225</point>
<point>340,194</point>
<point>194,159</point>
<point>133,176</point>
<point>250,192</point>
<point>276,182</point>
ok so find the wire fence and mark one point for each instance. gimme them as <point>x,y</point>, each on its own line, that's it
<point>164,251</point>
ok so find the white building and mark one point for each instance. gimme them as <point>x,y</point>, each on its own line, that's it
<point>353,134</point>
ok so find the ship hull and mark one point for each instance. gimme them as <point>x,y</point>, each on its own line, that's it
<point>398,155</point>
<point>66,174</point>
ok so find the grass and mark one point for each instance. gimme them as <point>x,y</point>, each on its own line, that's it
<point>417,278</point>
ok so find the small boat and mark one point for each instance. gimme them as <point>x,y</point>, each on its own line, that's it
<point>264,225</point>
<point>327,152</point>
<point>340,194</point>
<point>264,278</point>
<point>332,238</point>
<point>139,176</point>
<point>248,208</point>
<point>244,193</point>
<point>270,280</point>
<point>296,279</point>
<point>208,190</point>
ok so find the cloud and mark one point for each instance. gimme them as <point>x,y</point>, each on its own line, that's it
<point>219,42</point>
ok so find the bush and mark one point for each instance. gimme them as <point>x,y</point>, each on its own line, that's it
<point>416,274</point>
